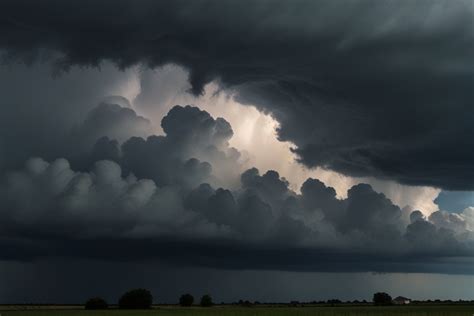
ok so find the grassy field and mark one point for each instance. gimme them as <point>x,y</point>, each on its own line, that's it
<point>263,311</point>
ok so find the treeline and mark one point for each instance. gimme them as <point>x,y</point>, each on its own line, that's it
<point>143,299</point>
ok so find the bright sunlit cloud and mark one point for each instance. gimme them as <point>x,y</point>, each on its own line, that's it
<point>155,92</point>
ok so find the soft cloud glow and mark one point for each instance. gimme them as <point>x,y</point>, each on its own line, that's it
<point>154,92</point>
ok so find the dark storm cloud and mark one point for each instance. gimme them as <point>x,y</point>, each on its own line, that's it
<point>194,144</point>
<point>153,203</point>
<point>366,88</point>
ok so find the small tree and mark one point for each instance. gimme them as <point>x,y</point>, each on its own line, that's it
<point>382,298</point>
<point>136,299</point>
<point>96,303</point>
<point>186,300</point>
<point>206,301</point>
<point>334,301</point>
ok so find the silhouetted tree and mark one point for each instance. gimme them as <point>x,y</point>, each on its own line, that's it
<point>186,300</point>
<point>247,303</point>
<point>206,301</point>
<point>334,301</point>
<point>96,303</point>
<point>136,299</point>
<point>382,298</point>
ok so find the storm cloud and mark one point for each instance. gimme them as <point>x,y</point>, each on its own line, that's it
<point>365,88</point>
<point>160,198</point>
<point>187,145</point>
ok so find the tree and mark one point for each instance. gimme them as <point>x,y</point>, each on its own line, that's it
<point>136,299</point>
<point>382,298</point>
<point>186,300</point>
<point>206,301</point>
<point>96,303</point>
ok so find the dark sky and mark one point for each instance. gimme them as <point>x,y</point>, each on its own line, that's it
<point>371,91</point>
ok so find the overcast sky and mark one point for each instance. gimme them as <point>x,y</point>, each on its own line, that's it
<point>201,146</point>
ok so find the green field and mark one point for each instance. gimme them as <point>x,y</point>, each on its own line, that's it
<point>263,311</point>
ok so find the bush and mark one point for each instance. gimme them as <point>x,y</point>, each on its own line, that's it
<point>96,303</point>
<point>206,301</point>
<point>186,300</point>
<point>381,298</point>
<point>136,299</point>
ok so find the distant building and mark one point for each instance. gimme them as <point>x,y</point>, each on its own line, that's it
<point>400,300</point>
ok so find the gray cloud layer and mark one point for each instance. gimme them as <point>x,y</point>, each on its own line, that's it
<point>161,198</point>
<point>367,88</point>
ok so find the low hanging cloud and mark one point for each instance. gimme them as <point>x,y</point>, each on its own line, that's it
<point>161,198</point>
<point>367,88</point>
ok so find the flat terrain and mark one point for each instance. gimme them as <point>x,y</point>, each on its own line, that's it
<point>263,311</point>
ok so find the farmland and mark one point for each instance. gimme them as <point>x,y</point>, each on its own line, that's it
<point>434,310</point>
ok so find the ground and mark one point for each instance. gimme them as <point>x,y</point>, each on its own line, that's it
<point>432,310</point>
